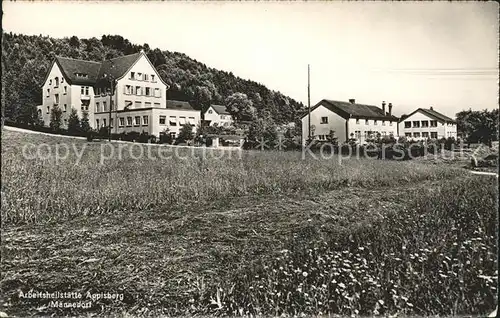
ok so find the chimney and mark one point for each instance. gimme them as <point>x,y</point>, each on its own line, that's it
<point>383,107</point>
<point>352,101</point>
<point>390,109</point>
<point>432,108</point>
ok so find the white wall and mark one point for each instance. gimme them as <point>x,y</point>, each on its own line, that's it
<point>48,100</point>
<point>384,127</point>
<point>335,123</point>
<point>144,67</point>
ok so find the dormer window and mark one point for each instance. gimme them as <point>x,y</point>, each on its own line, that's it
<point>82,75</point>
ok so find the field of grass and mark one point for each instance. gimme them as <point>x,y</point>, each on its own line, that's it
<point>255,233</point>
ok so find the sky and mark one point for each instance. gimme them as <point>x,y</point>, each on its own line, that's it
<point>413,54</point>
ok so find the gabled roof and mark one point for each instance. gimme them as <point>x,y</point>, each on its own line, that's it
<point>433,114</point>
<point>179,105</point>
<point>350,110</point>
<point>70,67</point>
<point>118,66</point>
<point>221,110</point>
<point>94,71</point>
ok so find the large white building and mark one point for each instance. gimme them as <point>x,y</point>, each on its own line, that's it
<point>426,123</point>
<point>349,120</point>
<point>138,102</point>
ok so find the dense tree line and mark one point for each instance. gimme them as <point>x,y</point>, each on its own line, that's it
<point>478,126</point>
<point>26,60</point>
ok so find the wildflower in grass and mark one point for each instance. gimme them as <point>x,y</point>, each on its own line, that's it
<point>304,274</point>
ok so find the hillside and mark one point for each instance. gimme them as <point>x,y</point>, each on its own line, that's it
<point>26,59</point>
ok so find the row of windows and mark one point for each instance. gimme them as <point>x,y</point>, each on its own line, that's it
<point>424,134</point>
<point>65,91</point>
<point>172,121</point>
<point>420,123</point>
<point>228,117</point>
<point>142,77</point>
<point>56,81</point>
<point>141,91</point>
<point>366,134</point>
<point>324,120</point>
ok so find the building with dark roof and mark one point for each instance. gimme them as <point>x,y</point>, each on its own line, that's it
<point>349,121</point>
<point>425,123</point>
<point>218,115</point>
<point>138,102</point>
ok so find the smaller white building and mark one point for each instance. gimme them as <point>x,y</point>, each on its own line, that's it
<point>426,123</point>
<point>218,114</point>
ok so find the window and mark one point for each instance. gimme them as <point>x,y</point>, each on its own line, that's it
<point>104,107</point>
<point>434,123</point>
<point>172,121</point>
<point>366,121</point>
<point>57,82</point>
<point>148,90</point>
<point>137,121</point>
<point>147,104</point>
<point>157,92</point>
<point>145,120</point>
<point>434,135</point>
<point>182,120</point>
<point>48,92</point>
<point>97,123</point>
<point>383,122</point>
<point>111,123</point>
<point>82,90</point>
<point>104,122</point>
<point>153,78</point>
<point>122,122</point>
<point>407,134</point>
<point>129,121</point>
<point>425,134</point>
<point>210,111</point>
<point>416,124</point>
<point>132,75</point>
<point>224,117</point>
<point>138,90</point>
<point>138,104</point>
<point>157,105</point>
<point>357,120</point>
<point>416,134</point>
<point>191,120</point>
<point>375,122</point>
<point>321,137</point>
<point>407,124</point>
<point>50,82</point>
<point>62,80</point>
<point>65,107</point>
<point>139,76</point>
<point>86,91</point>
<point>128,103</point>
<point>65,89</point>
<point>324,120</point>
<point>56,99</point>
<point>128,89</point>
<point>163,119</point>
<point>97,107</point>
<point>146,77</point>
<point>390,123</point>
<point>425,123</point>
<point>48,109</point>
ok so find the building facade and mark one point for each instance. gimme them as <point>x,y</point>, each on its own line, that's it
<point>138,102</point>
<point>426,123</point>
<point>218,115</point>
<point>348,120</point>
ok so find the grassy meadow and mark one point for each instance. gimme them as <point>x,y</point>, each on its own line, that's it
<point>240,233</point>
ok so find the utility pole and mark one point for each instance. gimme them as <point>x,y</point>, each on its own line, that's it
<point>308,102</point>
<point>111,81</point>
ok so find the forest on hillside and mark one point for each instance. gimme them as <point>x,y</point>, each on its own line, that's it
<point>27,58</point>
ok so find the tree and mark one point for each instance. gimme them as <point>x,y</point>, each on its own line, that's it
<point>84,123</point>
<point>185,134</point>
<point>478,126</point>
<point>240,107</point>
<point>55,118</point>
<point>74,126</point>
